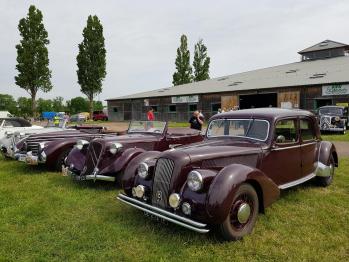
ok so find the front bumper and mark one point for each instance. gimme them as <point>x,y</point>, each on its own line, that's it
<point>333,129</point>
<point>30,159</point>
<point>166,215</point>
<point>78,177</point>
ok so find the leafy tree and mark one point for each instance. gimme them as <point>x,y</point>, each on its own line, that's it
<point>91,60</point>
<point>8,103</point>
<point>201,62</point>
<point>57,104</point>
<point>77,105</point>
<point>183,74</point>
<point>97,105</point>
<point>32,56</point>
<point>24,106</point>
<point>44,105</point>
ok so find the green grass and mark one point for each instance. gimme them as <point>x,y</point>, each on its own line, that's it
<point>335,137</point>
<point>47,217</point>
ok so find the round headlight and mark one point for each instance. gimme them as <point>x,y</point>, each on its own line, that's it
<point>139,190</point>
<point>143,170</point>
<point>186,208</point>
<point>174,200</point>
<point>195,181</point>
<point>81,143</point>
<point>114,148</point>
<point>337,118</point>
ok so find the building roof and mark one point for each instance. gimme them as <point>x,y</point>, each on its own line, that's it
<point>324,45</point>
<point>315,72</point>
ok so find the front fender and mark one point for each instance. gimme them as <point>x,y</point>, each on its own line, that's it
<point>123,160</point>
<point>326,149</point>
<point>53,150</point>
<point>226,183</point>
<point>127,181</point>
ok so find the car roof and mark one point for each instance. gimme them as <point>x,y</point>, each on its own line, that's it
<point>331,106</point>
<point>263,113</point>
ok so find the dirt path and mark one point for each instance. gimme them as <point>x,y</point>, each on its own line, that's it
<point>342,148</point>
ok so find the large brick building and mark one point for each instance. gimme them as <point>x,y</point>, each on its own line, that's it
<point>320,78</point>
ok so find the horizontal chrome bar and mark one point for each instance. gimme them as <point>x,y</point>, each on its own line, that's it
<point>176,219</point>
<point>100,177</point>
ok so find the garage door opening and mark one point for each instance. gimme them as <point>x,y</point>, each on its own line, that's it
<point>258,100</point>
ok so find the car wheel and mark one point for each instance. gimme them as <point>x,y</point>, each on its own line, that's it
<point>60,159</point>
<point>242,215</point>
<point>326,181</point>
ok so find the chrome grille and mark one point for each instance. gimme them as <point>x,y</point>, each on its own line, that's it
<point>162,179</point>
<point>93,154</point>
<point>325,122</point>
<point>33,146</point>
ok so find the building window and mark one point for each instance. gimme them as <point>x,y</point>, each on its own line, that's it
<point>115,109</point>
<point>193,107</point>
<point>215,107</point>
<point>172,108</point>
<point>155,108</point>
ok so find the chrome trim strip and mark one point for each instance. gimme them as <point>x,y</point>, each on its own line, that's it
<point>298,181</point>
<point>179,220</point>
<point>100,177</point>
<point>284,148</point>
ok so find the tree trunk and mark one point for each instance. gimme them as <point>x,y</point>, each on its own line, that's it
<point>91,107</point>
<point>33,95</point>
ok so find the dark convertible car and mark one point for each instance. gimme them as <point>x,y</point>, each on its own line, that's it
<point>246,159</point>
<point>106,158</point>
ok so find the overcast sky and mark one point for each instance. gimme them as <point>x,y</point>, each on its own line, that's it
<point>141,37</point>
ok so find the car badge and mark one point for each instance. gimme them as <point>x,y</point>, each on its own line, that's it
<point>159,196</point>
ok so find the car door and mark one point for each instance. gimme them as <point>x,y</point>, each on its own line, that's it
<point>283,161</point>
<point>309,145</point>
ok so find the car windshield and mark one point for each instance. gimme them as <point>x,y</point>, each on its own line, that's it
<point>331,111</point>
<point>147,127</point>
<point>250,128</point>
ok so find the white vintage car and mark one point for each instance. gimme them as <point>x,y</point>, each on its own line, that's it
<point>14,129</point>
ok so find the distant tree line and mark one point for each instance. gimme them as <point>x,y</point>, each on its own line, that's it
<point>23,105</point>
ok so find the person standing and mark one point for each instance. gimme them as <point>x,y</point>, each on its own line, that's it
<point>150,114</point>
<point>196,121</point>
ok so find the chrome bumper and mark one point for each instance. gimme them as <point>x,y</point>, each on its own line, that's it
<point>334,129</point>
<point>67,172</point>
<point>30,159</point>
<point>166,215</point>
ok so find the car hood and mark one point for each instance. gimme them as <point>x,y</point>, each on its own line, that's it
<point>214,149</point>
<point>131,138</point>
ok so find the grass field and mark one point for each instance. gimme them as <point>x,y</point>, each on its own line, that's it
<point>45,216</point>
<point>336,137</point>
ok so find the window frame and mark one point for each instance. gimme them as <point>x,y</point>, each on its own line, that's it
<point>287,144</point>
<point>312,128</point>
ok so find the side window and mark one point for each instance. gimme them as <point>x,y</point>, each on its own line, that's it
<point>307,130</point>
<point>286,131</point>
<point>8,123</point>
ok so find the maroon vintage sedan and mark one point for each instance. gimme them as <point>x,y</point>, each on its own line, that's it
<point>247,158</point>
<point>106,158</point>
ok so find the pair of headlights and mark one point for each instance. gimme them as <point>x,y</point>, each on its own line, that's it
<point>113,149</point>
<point>194,180</point>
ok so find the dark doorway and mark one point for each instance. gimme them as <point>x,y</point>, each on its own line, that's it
<point>323,102</point>
<point>258,100</point>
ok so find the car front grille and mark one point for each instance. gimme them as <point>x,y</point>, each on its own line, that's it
<point>33,146</point>
<point>162,179</point>
<point>325,122</point>
<point>93,154</point>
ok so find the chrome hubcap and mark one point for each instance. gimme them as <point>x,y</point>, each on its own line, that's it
<point>244,213</point>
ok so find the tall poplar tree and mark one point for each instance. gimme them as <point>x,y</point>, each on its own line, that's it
<point>201,62</point>
<point>91,60</point>
<point>32,56</point>
<point>183,74</point>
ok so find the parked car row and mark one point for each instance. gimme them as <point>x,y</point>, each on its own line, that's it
<point>220,180</point>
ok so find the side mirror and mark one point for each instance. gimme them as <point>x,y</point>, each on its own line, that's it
<point>280,139</point>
